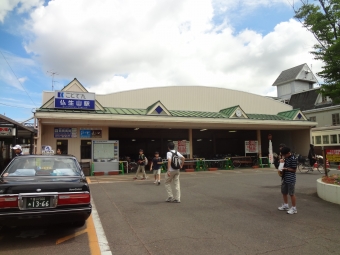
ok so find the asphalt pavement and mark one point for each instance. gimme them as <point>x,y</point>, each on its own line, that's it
<point>222,212</point>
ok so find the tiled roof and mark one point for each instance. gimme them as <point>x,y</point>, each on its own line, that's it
<point>306,100</point>
<point>289,114</point>
<point>229,111</point>
<point>197,114</point>
<point>223,114</point>
<point>288,75</point>
<point>265,117</point>
<point>125,111</point>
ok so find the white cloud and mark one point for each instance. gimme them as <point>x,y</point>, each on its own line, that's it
<point>22,79</point>
<point>117,45</point>
<point>12,67</point>
<point>20,6</point>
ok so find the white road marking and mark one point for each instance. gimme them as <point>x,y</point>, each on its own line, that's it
<point>103,243</point>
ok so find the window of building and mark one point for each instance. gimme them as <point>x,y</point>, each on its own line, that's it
<point>325,139</point>
<point>85,149</point>
<point>318,140</point>
<point>334,139</point>
<point>312,139</point>
<point>312,119</point>
<point>63,146</point>
<point>335,119</point>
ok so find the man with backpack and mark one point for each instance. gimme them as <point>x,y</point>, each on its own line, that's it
<point>142,161</point>
<point>175,163</point>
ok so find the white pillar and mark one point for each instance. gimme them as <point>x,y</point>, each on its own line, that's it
<point>39,137</point>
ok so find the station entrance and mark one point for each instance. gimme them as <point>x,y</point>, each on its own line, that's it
<point>205,143</point>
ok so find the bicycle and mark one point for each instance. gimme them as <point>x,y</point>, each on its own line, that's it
<point>305,167</point>
<point>132,166</point>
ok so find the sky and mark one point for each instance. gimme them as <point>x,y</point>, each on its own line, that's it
<point>116,45</point>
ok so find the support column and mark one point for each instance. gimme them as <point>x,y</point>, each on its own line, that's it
<point>214,143</point>
<point>14,140</point>
<point>31,143</point>
<point>39,137</point>
<point>190,143</point>
<point>258,133</point>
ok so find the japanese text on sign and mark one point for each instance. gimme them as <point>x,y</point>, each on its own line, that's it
<point>65,132</point>
<point>333,155</point>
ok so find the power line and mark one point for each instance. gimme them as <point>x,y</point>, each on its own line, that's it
<point>17,78</point>
<point>16,106</point>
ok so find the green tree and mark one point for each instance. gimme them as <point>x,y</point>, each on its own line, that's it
<point>322,19</point>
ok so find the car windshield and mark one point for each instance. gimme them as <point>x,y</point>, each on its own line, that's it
<point>43,166</point>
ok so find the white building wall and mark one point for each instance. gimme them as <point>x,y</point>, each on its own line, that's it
<point>193,98</point>
<point>300,86</point>
<point>284,91</point>
<point>47,138</point>
<point>323,118</point>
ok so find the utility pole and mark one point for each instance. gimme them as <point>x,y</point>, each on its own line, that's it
<point>52,74</point>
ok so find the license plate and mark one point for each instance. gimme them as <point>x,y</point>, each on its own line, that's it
<point>38,202</point>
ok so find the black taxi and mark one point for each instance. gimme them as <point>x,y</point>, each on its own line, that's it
<point>44,189</point>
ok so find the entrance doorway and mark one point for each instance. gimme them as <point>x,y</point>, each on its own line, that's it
<point>63,146</point>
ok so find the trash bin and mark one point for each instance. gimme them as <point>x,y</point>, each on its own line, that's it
<point>86,167</point>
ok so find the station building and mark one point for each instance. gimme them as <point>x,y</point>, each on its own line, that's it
<point>212,121</point>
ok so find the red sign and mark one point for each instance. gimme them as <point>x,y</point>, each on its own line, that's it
<point>5,131</point>
<point>333,155</point>
<point>182,147</point>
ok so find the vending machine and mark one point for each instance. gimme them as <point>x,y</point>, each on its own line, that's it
<point>105,155</point>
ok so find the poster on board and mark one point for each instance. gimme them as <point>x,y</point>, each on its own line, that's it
<point>251,147</point>
<point>182,147</point>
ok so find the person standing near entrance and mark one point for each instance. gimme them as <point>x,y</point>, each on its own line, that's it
<point>288,181</point>
<point>156,164</point>
<point>141,165</point>
<point>311,155</point>
<point>17,150</point>
<point>175,163</point>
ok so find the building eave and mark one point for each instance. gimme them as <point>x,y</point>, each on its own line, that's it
<point>47,118</point>
<point>334,107</point>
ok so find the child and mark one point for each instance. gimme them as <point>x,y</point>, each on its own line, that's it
<point>156,167</point>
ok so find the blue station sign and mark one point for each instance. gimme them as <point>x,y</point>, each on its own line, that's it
<point>74,100</point>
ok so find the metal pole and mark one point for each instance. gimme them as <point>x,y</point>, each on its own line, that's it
<point>324,161</point>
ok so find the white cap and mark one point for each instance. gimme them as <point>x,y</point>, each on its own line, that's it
<point>17,147</point>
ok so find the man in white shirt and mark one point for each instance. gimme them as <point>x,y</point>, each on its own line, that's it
<point>17,150</point>
<point>175,163</point>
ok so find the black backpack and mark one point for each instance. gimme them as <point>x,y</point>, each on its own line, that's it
<point>175,162</point>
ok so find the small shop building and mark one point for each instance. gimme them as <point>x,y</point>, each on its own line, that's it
<point>12,133</point>
<point>205,122</point>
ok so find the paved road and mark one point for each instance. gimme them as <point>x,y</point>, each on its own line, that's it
<point>223,212</point>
